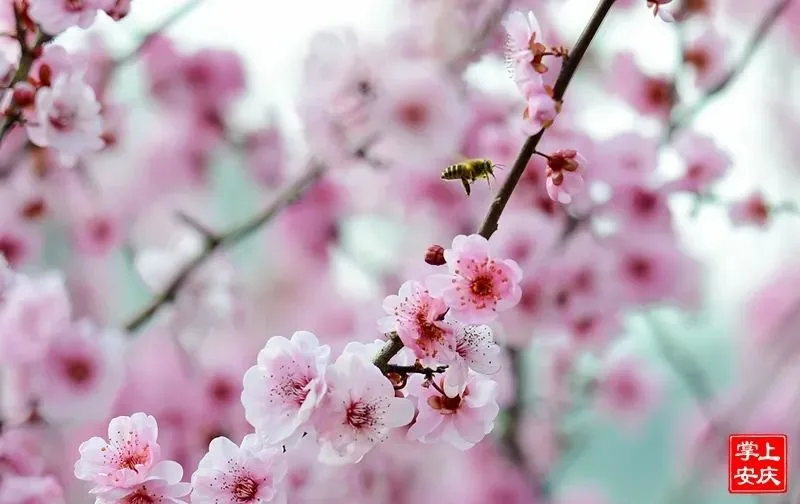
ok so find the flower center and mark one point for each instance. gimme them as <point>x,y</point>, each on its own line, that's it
<point>414,115</point>
<point>78,370</point>
<point>482,286</point>
<point>11,249</point>
<point>62,118</point>
<point>34,208</point>
<point>139,497</point>
<point>73,5</point>
<point>359,414</point>
<point>100,230</point>
<point>644,201</point>
<point>295,389</point>
<point>245,489</point>
<point>639,267</point>
<point>222,391</point>
<point>134,459</point>
<point>698,58</point>
<point>659,92</point>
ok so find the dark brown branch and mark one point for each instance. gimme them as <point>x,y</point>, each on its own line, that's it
<point>568,70</point>
<point>752,46</point>
<point>415,369</point>
<point>225,240</point>
<point>390,349</point>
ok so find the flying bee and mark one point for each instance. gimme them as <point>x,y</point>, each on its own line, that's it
<point>470,170</point>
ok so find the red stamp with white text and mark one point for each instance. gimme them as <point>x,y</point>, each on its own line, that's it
<point>758,463</point>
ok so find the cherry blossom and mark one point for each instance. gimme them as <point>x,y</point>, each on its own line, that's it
<point>80,374</point>
<point>753,210</point>
<point>478,286</point>
<point>67,118</point>
<point>705,162</point>
<point>475,349</point>
<point>286,386</point>
<point>461,419</point>
<point>55,16</point>
<point>248,473</point>
<point>31,490</point>
<point>418,319</point>
<point>522,37</point>
<point>162,485</point>
<point>706,55</point>
<point>565,170</point>
<point>34,312</point>
<point>128,458</point>
<point>628,389</point>
<point>360,410</point>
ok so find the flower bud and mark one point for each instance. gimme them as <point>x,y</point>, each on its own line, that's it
<point>435,255</point>
<point>24,94</point>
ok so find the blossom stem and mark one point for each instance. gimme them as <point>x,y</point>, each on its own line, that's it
<point>752,46</point>
<point>568,70</point>
<point>224,240</point>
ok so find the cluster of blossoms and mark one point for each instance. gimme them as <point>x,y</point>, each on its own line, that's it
<point>331,414</point>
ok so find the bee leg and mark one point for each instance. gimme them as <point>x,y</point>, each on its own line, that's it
<point>466,185</point>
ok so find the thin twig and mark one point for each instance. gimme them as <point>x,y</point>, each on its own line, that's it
<point>750,49</point>
<point>170,20</point>
<point>223,241</point>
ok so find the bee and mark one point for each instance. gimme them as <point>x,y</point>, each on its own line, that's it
<point>470,170</point>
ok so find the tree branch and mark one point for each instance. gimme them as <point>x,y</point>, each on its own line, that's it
<point>225,240</point>
<point>752,46</point>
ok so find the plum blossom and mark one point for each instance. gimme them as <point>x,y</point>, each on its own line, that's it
<point>540,111</point>
<point>80,374</point>
<point>55,16</point>
<point>475,350</point>
<point>286,386</point>
<point>565,175</point>
<point>418,113</point>
<point>35,310</point>
<point>649,95</point>
<point>522,41</point>
<point>706,55</point>
<point>127,458</point>
<point>625,158</point>
<point>162,485</point>
<point>461,419</point>
<point>705,162</point>
<point>627,389</point>
<point>360,410</point>
<point>479,285</point>
<point>30,490</point>
<point>239,474</point>
<point>753,210</point>
<point>418,319</point>
<point>67,118</point>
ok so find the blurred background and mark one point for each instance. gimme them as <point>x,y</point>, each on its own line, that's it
<point>754,120</point>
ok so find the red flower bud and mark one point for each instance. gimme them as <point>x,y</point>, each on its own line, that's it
<point>435,255</point>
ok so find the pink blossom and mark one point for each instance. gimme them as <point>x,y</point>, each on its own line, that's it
<point>652,269</point>
<point>540,110</point>
<point>80,374</point>
<point>127,458</point>
<point>476,351</point>
<point>664,14</point>
<point>418,319</point>
<point>163,485</point>
<point>242,474</point>
<point>20,242</point>
<point>593,325</point>
<point>119,9</point>
<point>628,389</point>
<point>21,452</point>
<point>479,285</point>
<point>361,410</point>
<point>461,419</point>
<point>753,210</point>
<point>55,16</point>
<point>97,233</point>
<point>67,118</point>
<point>522,35</point>
<point>626,158</point>
<point>57,61</point>
<point>286,386</point>
<point>705,162</point>
<point>418,113</point>
<point>706,55</point>
<point>565,172</point>
<point>266,156</point>
<point>649,95</point>
<point>30,490</point>
<point>637,207</point>
<point>35,311</point>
